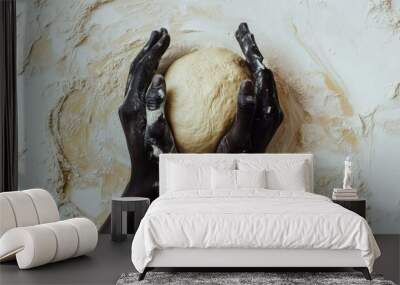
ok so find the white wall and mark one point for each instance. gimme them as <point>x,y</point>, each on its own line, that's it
<point>339,59</point>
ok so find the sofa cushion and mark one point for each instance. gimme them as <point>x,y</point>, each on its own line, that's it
<point>40,244</point>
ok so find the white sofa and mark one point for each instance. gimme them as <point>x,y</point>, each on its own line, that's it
<point>31,230</point>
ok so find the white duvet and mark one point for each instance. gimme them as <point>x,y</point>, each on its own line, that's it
<point>253,218</point>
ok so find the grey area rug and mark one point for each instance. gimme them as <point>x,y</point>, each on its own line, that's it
<point>269,278</point>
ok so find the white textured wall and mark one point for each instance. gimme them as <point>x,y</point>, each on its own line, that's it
<point>339,60</point>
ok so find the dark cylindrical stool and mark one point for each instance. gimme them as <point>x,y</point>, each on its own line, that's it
<point>119,208</point>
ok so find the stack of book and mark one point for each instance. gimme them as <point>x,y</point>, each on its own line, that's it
<point>344,194</point>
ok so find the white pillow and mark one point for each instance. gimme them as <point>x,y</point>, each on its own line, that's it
<point>187,177</point>
<point>293,178</point>
<point>281,174</point>
<point>251,178</point>
<point>223,179</point>
<point>227,179</point>
<point>193,174</point>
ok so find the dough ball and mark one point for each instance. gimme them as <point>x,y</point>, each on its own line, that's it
<point>202,90</point>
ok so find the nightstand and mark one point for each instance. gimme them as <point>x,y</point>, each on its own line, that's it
<point>119,208</point>
<point>357,206</point>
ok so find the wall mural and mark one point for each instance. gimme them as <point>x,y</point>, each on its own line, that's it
<point>335,68</point>
<point>144,121</point>
<point>147,131</point>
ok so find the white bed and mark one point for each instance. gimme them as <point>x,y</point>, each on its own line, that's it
<point>249,227</point>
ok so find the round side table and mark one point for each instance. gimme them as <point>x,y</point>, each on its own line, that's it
<point>119,208</point>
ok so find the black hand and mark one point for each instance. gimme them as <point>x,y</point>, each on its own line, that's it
<point>158,136</point>
<point>268,114</point>
<point>238,137</point>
